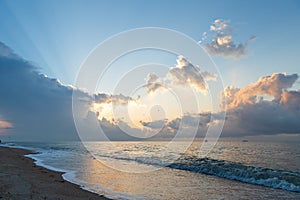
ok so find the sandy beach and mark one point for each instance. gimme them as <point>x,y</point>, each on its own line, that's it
<point>20,178</point>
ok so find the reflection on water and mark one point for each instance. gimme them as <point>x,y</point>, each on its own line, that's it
<point>169,183</point>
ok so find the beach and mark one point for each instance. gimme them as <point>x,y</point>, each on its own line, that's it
<point>20,178</point>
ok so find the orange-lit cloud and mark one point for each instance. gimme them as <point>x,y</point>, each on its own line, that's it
<point>248,113</point>
<point>291,100</point>
<point>273,86</point>
<point>40,108</point>
<point>4,125</point>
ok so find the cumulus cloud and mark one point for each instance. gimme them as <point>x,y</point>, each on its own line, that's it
<point>183,73</point>
<point>222,43</point>
<point>186,74</point>
<point>248,112</point>
<point>35,107</point>
<point>153,82</point>
<point>219,25</point>
<point>291,100</point>
<point>273,86</point>
<point>262,118</point>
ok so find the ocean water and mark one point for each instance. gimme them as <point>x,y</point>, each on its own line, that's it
<point>139,170</point>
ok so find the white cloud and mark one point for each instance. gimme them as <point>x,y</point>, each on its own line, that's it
<point>186,74</point>
<point>183,73</point>
<point>222,43</point>
<point>224,40</point>
<point>219,25</point>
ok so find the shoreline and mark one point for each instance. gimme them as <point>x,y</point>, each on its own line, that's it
<point>21,178</point>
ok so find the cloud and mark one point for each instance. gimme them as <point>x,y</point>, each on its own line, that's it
<point>291,100</point>
<point>34,107</point>
<point>222,43</point>
<point>186,74</point>
<point>186,124</point>
<point>5,125</point>
<point>158,124</point>
<point>113,131</point>
<point>273,86</point>
<point>262,118</point>
<point>219,25</point>
<point>248,112</point>
<point>153,83</point>
<point>120,99</point>
<point>5,51</point>
<point>38,107</point>
<point>183,73</point>
<point>224,40</point>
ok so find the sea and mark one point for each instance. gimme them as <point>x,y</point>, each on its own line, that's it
<point>140,170</point>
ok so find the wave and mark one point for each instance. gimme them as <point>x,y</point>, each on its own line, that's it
<point>236,171</point>
<point>268,177</point>
<point>273,178</point>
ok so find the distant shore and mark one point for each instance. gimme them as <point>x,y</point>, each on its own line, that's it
<point>20,178</point>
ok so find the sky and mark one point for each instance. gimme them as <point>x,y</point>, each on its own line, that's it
<point>58,35</point>
<point>253,44</point>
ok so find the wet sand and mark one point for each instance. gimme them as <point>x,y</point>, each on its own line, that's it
<point>20,178</point>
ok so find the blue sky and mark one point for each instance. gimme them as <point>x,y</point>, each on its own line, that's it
<point>254,45</point>
<point>58,35</point>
